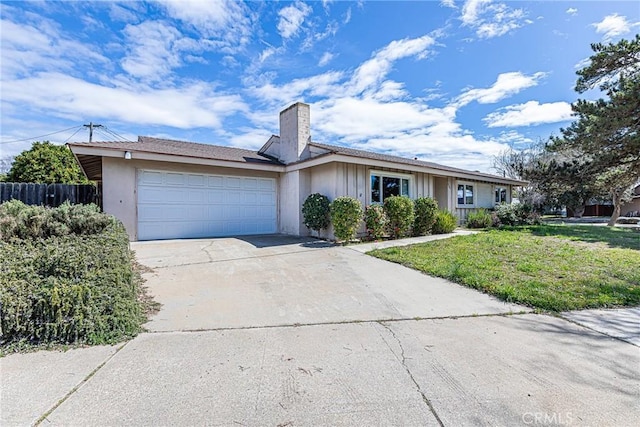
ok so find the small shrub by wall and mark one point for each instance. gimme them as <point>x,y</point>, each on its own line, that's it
<point>399,210</point>
<point>445,222</point>
<point>479,219</point>
<point>515,214</point>
<point>346,214</point>
<point>375,220</point>
<point>425,215</point>
<point>316,212</point>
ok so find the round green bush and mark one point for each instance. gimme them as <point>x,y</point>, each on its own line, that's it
<point>445,222</point>
<point>399,210</point>
<point>479,219</point>
<point>425,215</point>
<point>346,214</point>
<point>316,212</point>
<point>376,221</point>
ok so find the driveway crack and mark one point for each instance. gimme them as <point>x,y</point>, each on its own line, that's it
<point>204,249</point>
<point>403,361</point>
<point>44,416</point>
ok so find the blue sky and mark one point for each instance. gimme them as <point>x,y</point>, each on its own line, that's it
<point>454,82</point>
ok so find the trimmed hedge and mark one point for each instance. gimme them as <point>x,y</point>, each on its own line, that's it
<point>316,212</point>
<point>375,219</point>
<point>79,288</point>
<point>399,210</point>
<point>425,209</point>
<point>346,214</point>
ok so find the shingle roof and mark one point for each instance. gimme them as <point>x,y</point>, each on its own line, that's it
<point>352,152</point>
<point>182,148</point>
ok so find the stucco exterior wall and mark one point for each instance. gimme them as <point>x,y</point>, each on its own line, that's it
<point>294,187</point>
<point>119,184</point>
<point>119,192</point>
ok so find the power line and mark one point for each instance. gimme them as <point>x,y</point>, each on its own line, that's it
<point>72,135</point>
<point>41,136</point>
<point>116,134</point>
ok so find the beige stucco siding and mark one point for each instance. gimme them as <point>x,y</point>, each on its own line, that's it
<point>119,192</point>
<point>119,184</point>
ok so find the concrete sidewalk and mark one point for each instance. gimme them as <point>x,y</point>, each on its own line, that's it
<point>491,370</point>
<point>621,323</point>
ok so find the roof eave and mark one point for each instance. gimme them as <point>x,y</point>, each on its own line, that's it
<point>117,152</point>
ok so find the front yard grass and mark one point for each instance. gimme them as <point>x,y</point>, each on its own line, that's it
<point>550,267</point>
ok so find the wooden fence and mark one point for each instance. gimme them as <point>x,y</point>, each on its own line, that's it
<point>48,194</point>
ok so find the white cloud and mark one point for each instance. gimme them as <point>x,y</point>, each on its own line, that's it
<point>228,22</point>
<point>448,3</point>
<point>529,113</point>
<point>347,16</point>
<point>153,50</point>
<point>614,26</point>
<point>507,84</point>
<point>490,19</point>
<point>40,45</point>
<point>572,11</point>
<point>471,11</point>
<point>325,59</point>
<point>319,85</point>
<point>292,18</point>
<point>190,106</point>
<point>373,71</point>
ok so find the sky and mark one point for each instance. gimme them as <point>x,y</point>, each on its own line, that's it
<point>452,82</point>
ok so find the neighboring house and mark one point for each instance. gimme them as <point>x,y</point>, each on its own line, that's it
<point>163,189</point>
<point>632,208</point>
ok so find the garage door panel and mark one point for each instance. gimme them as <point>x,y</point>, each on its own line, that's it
<point>232,182</point>
<point>175,179</point>
<point>151,178</point>
<point>196,180</point>
<point>267,184</point>
<point>184,205</point>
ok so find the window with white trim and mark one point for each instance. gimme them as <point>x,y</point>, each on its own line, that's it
<point>384,184</point>
<point>500,195</point>
<point>466,195</point>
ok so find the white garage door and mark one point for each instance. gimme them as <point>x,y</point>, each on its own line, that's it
<point>175,205</point>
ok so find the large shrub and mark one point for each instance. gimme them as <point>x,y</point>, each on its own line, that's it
<point>376,221</point>
<point>399,210</point>
<point>479,219</point>
<point>316,212</point>
<point>65,278</point>
<point>346,214</point>
<point>425,215</point>
<point>445,222</point>
<point>515,214</point>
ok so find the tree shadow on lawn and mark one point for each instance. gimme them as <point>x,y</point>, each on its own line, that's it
<point>614,237</point>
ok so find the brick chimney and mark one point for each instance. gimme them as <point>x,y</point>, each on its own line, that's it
<point>295,132</point>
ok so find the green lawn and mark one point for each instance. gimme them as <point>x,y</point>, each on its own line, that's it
<point>549,267</point>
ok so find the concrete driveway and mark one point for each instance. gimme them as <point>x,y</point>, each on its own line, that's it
<point>278,281</point>
<point>286,332</point>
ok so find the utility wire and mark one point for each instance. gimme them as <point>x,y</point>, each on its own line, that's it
<point>117,134</point>
<point>106,134</point>
<point>72,135</point>
<point>41,136</point>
